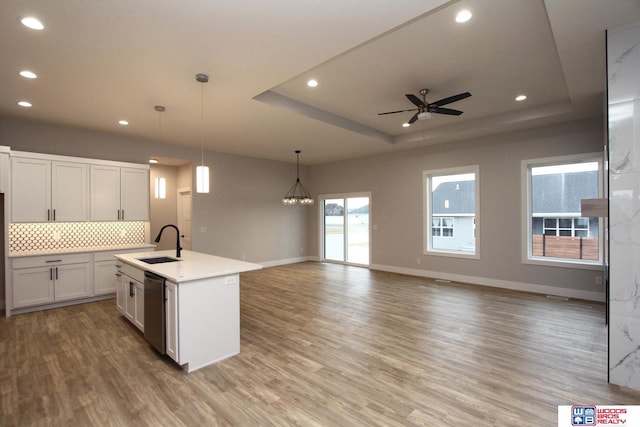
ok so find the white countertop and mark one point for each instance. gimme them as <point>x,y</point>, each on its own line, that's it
<point>192,265</point>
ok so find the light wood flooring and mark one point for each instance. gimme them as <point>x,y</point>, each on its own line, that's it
<point>322,345</point>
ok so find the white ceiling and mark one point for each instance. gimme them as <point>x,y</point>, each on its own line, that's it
<point>100,61</point>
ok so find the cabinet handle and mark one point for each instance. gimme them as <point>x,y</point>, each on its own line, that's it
<point>51,274</point>
<point>54,214</point>
<point>54,260</point>
<point>123,214</point>
<point>118,214</point>
<point>48,214</point>
<point>118,274</point>
<point>56,273</point>
<point>131,289</point>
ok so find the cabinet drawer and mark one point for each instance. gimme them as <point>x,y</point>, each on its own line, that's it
<point>131,271</point>
<point>49,260</point>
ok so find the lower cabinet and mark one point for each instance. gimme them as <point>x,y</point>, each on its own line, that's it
<point>47,279</point>
<point>130,294</point>
<point>171,316</point>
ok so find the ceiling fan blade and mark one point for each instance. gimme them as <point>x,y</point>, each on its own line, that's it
<point>414,118</point>
<point>448,111</point>
<point>451,99</point>
<point>399,111</point>
<point>417,101</point>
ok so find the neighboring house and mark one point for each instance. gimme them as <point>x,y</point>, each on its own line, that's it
<point>453,218</point>
<point>556,213</point>
<point>333,209</point>
<point>556,204</point>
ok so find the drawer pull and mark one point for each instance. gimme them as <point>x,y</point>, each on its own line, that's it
<point>54,260</point>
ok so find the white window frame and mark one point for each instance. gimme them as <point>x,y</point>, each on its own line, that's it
<point>527,246</point>
<point>442,227</point>
<point>427,175</point>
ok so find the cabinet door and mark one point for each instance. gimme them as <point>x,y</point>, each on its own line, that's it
<point>121,291</point>
<point>135,194</point>
<point>30,190</point>
<point>69,191</point>
<point>130,298</point>
<point>105,193</point>
<point>72,281</point>
<point>104,277</point>
<point>138,320</point>
<point>171,313</point>
<point>32,286</point>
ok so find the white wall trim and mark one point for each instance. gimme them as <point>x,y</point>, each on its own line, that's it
<point>286,261</point>
<point>496,283</point>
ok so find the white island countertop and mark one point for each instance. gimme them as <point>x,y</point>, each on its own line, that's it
<point>191,265</point>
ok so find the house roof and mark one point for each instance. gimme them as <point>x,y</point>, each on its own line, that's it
<point>562,193</point>
<point>98,62</point>
<point>552,194</point>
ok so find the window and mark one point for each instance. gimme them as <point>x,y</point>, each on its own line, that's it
<point>451,206</point>
<point>556,231</point>
<point>442,226</point>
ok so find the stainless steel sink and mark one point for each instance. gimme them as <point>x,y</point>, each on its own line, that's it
<point>158,260</point>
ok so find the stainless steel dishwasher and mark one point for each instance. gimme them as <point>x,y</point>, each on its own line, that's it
<point>154,317</point>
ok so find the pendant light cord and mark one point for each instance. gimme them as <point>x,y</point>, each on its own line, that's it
<point>202,123</point>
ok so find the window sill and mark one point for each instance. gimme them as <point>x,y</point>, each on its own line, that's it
<point>562,263</point>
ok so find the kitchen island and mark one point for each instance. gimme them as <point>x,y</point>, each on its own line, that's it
<point>201,302</point>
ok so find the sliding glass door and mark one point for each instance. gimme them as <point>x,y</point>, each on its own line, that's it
<point>345,229</point>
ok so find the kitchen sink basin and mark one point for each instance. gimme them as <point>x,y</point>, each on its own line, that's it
<point>158,260</point>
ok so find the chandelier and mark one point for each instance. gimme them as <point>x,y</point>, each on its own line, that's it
<point>297,193</point>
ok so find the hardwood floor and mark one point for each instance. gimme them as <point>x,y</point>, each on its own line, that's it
<point>322,345</point>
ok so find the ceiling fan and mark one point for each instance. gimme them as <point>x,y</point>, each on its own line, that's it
<point>425,109</point>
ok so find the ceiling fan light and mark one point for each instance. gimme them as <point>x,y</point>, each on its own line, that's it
<point>424,115</point>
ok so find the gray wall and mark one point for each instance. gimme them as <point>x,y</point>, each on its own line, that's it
<point>242,216</point>
<point>163,211</point>
<point>395,182</point>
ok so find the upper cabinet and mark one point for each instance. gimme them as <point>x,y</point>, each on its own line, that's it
<point>46,188</point>
<point>119,193</point>
<point>49,190</point>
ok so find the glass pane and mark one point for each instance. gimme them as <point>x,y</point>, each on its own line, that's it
<point>358,230</point>
<point>565,222</point>
<point>334,229</point>
<point>581,223</point>
<point>549,223</point>
<point>453,203</point>
<point>558,189</point>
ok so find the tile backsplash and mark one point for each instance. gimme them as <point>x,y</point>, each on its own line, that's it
<point>62,236</point>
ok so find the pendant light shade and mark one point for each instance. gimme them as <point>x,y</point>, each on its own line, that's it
<point>297,193</point>
<point>202,179</point>
<point>202,171</point>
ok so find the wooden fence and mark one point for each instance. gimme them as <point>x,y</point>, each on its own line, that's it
<point>565,247</point>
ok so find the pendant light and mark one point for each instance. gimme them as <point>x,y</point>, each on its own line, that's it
<point>297,193</point>
<point>202,171</point>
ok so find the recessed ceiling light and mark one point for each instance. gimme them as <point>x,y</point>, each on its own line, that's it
<point>31,22</point>
<point>123,122</point>
<point>153,161</point>
<point>28,74</point>
<point>521,97</point>
<point>312,83</point>
<point>405,125</point>
<point>463,16</point>
<point>25,104</point>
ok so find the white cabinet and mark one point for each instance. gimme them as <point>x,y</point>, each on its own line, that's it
<point>119,193</point>
<point>45,190</point>
<point>121,296</point>
<point>46,279</point>
<point>171,317</point>
<point>131,286</point>
<point>104,274</point>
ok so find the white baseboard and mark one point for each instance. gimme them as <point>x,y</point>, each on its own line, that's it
<point>496,283</point>
<point>277,262</point>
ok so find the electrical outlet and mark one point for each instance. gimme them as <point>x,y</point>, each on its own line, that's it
<point>598,280</point>
<point>418,260</point>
